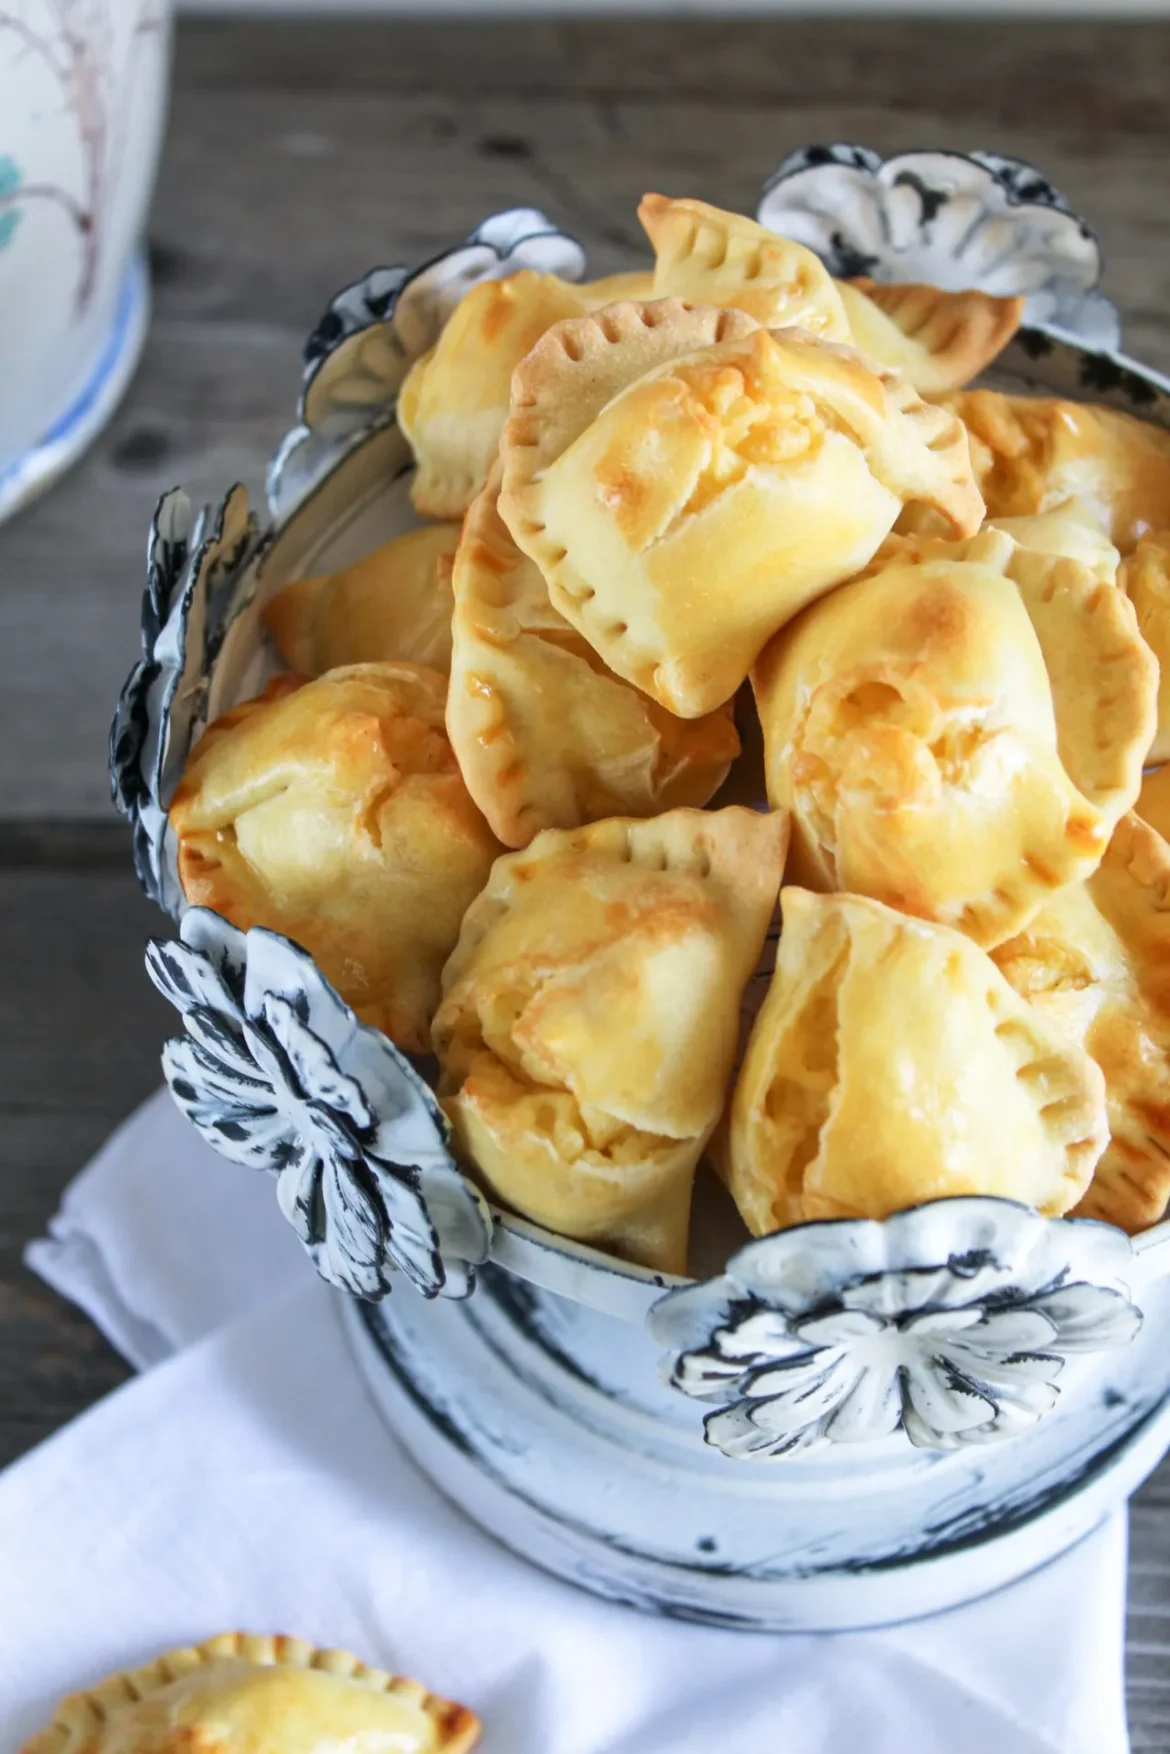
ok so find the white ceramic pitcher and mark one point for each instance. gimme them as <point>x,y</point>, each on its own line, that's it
<point>82,102</point>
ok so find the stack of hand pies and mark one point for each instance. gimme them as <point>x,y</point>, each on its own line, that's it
<point>478,796</point>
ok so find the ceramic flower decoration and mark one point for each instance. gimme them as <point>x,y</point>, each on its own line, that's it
<point>374,329</point>
<point>198,578</point>
<point>956,220</point>
<point>277,1073</point>
<point>951,1322</point>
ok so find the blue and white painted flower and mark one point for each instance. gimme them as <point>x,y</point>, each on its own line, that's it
<point>950,1322</point>
<point>951,219</point>
<point>276,1072</point>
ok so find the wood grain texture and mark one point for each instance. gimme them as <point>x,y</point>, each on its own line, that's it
<point>298,155</point>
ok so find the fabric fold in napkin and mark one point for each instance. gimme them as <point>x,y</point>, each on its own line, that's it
<point>247,1481</point>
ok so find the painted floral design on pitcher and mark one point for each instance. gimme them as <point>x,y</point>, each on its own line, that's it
<point>74,40</point>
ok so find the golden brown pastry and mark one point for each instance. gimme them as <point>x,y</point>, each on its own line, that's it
<point>958,736</point>
<point>1145,578</point>
<point>545,735</point>
<point>454,400</point>
<point>687,481</point>
<point>590,1016</point>
<point>892,1063</point>
<point>713,257</point>
<point>334,812</point>
<point>1153,805</point>
<point>938,340</point>
<point>396,603</point>
<point>1031,453</point>
<point>246,1694</point>
<point>1095,962</point>
<point>1067,532</point>
<point>616,288</point>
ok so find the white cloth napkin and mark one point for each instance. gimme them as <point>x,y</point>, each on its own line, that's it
<point>248,1482</point>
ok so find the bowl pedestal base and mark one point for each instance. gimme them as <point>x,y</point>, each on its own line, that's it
<point>547,1423</point>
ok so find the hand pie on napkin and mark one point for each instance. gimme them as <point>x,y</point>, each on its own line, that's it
<point>958,735</point>
<point>892,1063</point>
<point>590,1017</point>
<point>938,340</point>
<point>687,481</point>
<point>395,603</point>
<point>713,257</point>
<point>1145,578</point>
<point>545,735</point>
<point>1094,961</point>
<point>247,1694</point>
<point>334,812</point>
<point>1031,453</point>
<point>454,400</point>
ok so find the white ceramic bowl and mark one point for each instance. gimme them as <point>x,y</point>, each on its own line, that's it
<point>940,1401</point>
<point>82,101</point>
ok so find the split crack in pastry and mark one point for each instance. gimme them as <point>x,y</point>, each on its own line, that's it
<point>334,812</point>
<point>590,1018</point>
<point>244,1693</point>
<point>454,399</point>
<point>687,481</point>
<point>1031,453</point>
<point>1095,962</point>
<point>938,340</point>
<point>545,735</point>
<point>712,257</point>
<point>394,604</point>
<point>1153,805</point>
<point>957,735</point>
<point>892,1063</point>
<point>1145,578</point>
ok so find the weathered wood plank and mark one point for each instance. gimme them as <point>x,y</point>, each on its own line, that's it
<point>81,1028</point>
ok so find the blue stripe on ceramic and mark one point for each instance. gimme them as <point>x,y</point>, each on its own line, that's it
<point>74,431</point>
<point>10,180</point>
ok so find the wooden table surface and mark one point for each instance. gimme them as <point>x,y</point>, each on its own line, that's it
<point>298,155</point>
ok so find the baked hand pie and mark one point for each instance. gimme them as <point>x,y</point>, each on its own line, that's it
<point>958,736</point>
<point>614,289</point>
<point>1145,578</point>
<point>1067,532</point>
<point>1070,532</point>
<point>1153,805</point>
<point>248,1694</point>
<point>545,736</point>
<point>1031,453</point>
<point>590,1018</point>
<point>1093,962</point>
<point>334,812</point>
<point>892,1063</point>
<point>687,481</point>
<point>395,603</point>
<point>454,399</point>
<point>938,340</point>
<point>713,257</point>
